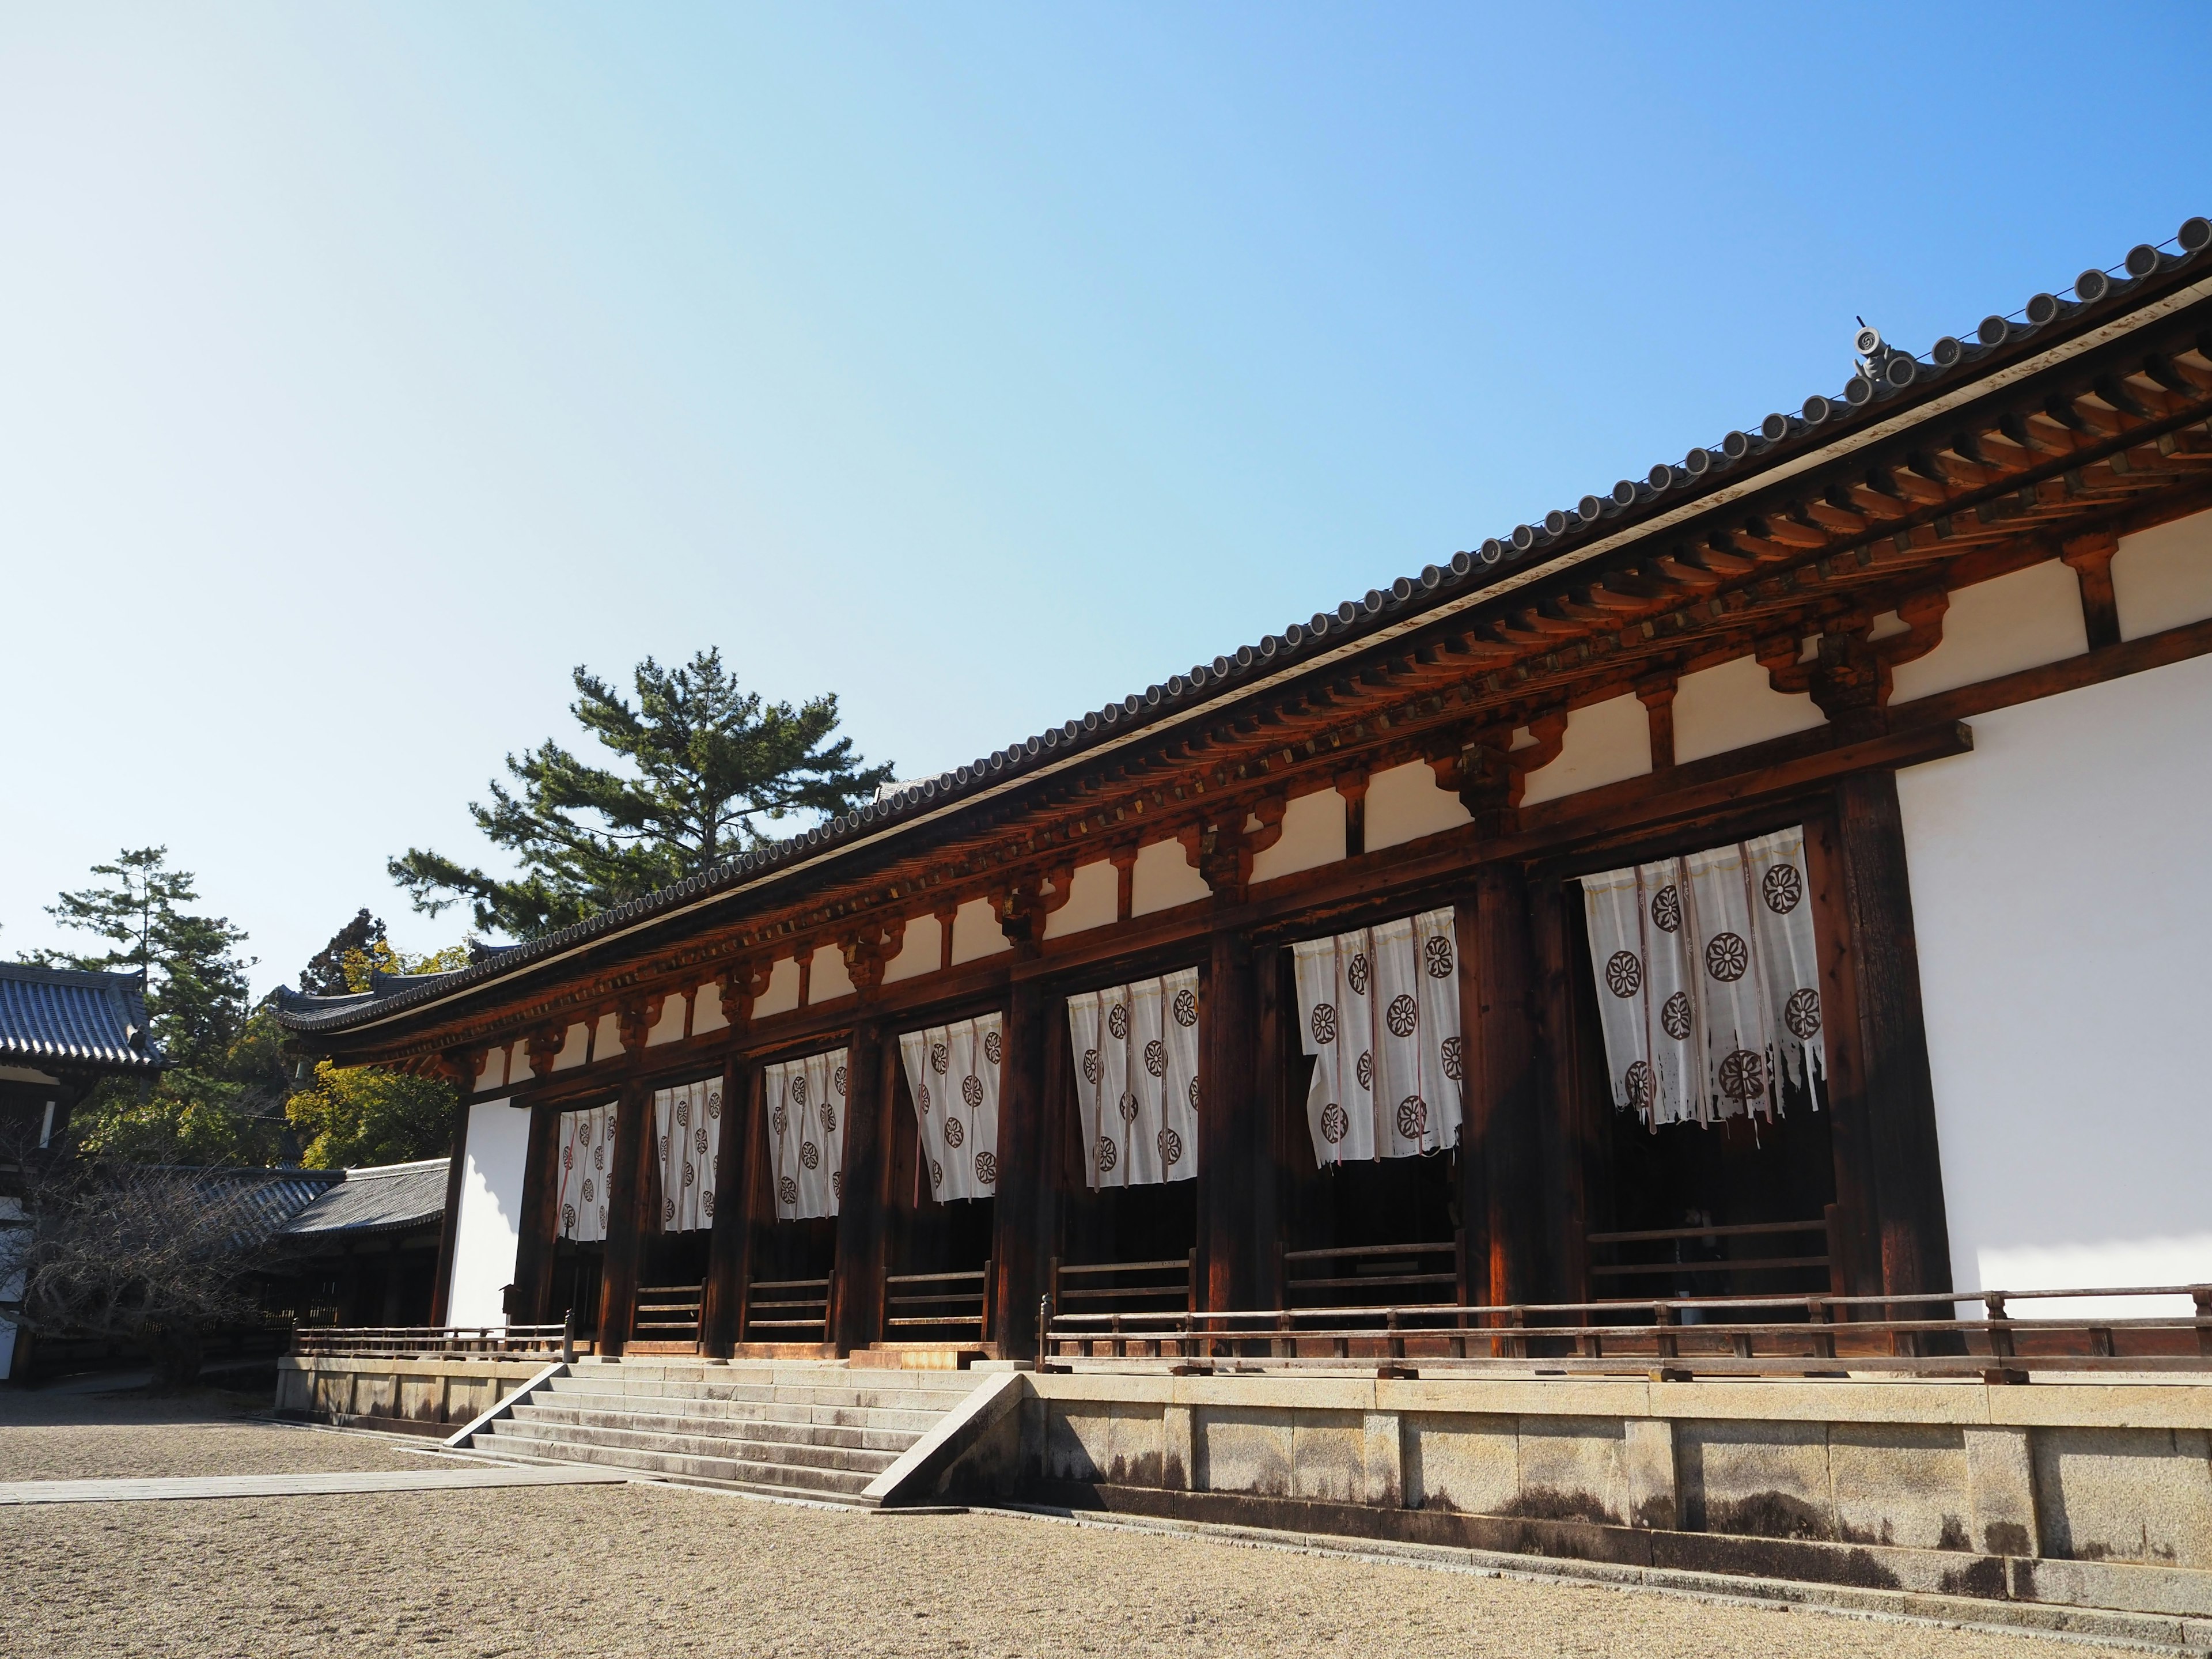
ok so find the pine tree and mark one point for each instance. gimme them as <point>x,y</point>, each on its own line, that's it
<point>708,765</point>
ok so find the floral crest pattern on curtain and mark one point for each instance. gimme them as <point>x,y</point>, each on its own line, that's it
<point>688,1123</point>
<point>806,1104</point>
<point>1708,980</point>
<point>586,1141</point>
<point>952,1073</point>
<point>1378,1009</point>
<point>1135,1048</point>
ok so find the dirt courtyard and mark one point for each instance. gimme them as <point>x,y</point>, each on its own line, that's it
<point>654,1570</point>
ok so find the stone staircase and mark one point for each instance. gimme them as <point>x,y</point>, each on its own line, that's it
<point>815,1430</point>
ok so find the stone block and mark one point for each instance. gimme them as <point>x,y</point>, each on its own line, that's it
<point>1570,1469</point>
<point>2001,1493</point>
<point>1763,1480</point>
<point>1078,1441</point>
<point>2134,1495</point>
<point>1460,1461</point>
<point>1243,1450</point>
<point>1383,1439</point>
<point>1178,1454</point>
<point>1900,1483</point>
<point>1329,1456</point>
<point>1650,1495</point>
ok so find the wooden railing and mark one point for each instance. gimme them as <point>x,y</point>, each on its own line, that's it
<point>787,1309</point>
<point>1768,1257</point>
<point>431,1341</point>
<point>1675,1336</point>
<point>917,1301</point>
<point>667,1313</point>
<point>1115,1287</point>
<point>1408,1270</point>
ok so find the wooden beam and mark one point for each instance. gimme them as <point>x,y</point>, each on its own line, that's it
<point>626,1201</point>
<point>870,1078</point>
<point>449,1222</point>
<point>1024,1214</point>
<point>729,1242</point>
<point>1235,1165</point>
<point>1503,1199</point>
<point>539,1218</point>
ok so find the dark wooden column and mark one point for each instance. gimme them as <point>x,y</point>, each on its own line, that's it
<point>442,1285</point>
<point>539,1221</point>
<point>1025,1212</point>
<point>857,1294</point>
<point>1892,1037</point>
<point>729,1245</point>
<point>627,1188</point>
<point>1500,1167</point>
<point>1858,1221</point>
<point>1236,1146</point>
<point>1564,1131</point>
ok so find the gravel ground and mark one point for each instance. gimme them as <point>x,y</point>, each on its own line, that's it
<point>654,1572</point>
<point>85,1436</point>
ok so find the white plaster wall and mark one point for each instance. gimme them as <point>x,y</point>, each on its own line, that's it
<point>782,993</point>
<point>573,1043</point>
<point>1605,743</point>
<point>1313,835</point>
<point>829,978</point>
<point>1163,879</point>
<point>669,1028</point>
<point>491,1209</point>
<point>1732,704</point>
<point>976,933</point>
<point>606,1037</point>
<point>1091,901</point>
<point>1405,803</point>
<point>2062,900</point>
<point>2163,578</point>
<point>706,1009</point>
<point>919,951</point>
<point>492,1074</point>
<point>2024,620</point>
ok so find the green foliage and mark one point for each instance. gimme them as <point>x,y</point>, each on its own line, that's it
<point>218,1102</point>
<point>352,1115</point>
<point>707,765</point>
<point>324,974</point>
<point>358,968</point>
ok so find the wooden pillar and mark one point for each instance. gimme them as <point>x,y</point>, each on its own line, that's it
<point>1025,1212</point>
<point>1500,1168</point>
<point>856,1310</point>
<point>449,1224</point>
<point>1900,1112</point>
<point>626,1201</point>
<point>539,1221</point>
<point>729,1245</point>
<point>1236,1160</point>
<point>1859,1222</point>
<point>1564,1131</point>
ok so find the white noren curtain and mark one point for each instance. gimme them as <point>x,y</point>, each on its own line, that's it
<point>1708,982</point>
<point>586,1141</point>
<point>806,1100</point>
<point>952,1073</point>
<point>1378,1009</point>
<point>688,1123</point>
<point>1135,1048</point>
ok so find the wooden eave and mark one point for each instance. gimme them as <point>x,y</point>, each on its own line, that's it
<point>2108,443</point>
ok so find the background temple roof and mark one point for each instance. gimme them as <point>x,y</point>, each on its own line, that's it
<point>58,1017</point>
<point>371,1201</point>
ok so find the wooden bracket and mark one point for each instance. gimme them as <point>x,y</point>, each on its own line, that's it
<point>544,1045</point>
<point>2091,557</point>
<point>1656,694</point>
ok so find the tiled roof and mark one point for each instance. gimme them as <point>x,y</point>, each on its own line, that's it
<point>378,1200</point>
<point>1887,381</point>
<point>57,1017</point>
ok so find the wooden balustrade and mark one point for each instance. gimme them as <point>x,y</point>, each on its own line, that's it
<point>1770,1258</point>
<point>914,1303</point>
<point>430,1341</point>
<point>787,1311</point>
<point>1744,1335</point>
<point>667,1313</point>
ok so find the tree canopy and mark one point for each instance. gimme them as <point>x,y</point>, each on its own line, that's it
<point>219,1101</point>
<point>708,765</point>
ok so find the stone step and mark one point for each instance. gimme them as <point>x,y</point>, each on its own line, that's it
<point>792,1479</point>
<point>676,1435</point>
<point>931,1399</point>
<point>916,1421</point>
<point>589,1412</point>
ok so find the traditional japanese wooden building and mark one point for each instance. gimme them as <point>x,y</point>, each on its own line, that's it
<point>1781,871</point>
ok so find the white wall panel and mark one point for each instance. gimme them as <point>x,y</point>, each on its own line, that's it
<point>575,1043</point>
<point>919,951</point>
<point>828,978</point>
<point>491,1212</point>
<point>606,1039</point>
<point>976,933</point>
<point>1732,704</point>
<point>669,1028</point>
<point>706,1009</point>
<point>1163,879</point>
<point>2062,901</point>
<point>2163,578</point>
<point>1091,901</point>
<point>1605,743</point>
<point>1313,835</point>
<point>2024,620</point>
<point>1405,803</point>
<point>782,993</point>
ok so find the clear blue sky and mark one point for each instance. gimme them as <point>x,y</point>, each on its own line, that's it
<point>363,368</point>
